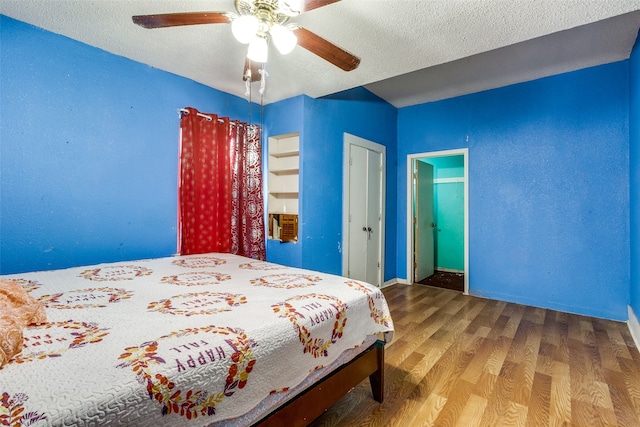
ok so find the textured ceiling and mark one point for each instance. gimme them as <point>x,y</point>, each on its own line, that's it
<point>412,51</point>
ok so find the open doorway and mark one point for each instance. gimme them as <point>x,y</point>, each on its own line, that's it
<point>437,219</point>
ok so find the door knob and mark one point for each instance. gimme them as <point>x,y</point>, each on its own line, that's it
<point>433,224</point>
<point>368,231</point>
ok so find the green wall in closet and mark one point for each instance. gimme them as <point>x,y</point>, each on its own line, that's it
<point>448,205</point>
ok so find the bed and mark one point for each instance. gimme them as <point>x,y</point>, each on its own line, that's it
<point>211,339</point>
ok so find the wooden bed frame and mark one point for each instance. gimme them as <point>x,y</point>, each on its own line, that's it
<point>315,400</point>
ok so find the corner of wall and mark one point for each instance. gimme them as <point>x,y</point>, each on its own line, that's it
<point>634,176</point>
<point>394,281</point>
<point>634,327</point>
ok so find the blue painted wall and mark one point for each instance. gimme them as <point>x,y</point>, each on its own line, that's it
<point>634,179</point>
<point>89,151</point>
<point>88,162</point>
<point>281,118</point>
<point>548,183</point>
<point>322,124</point>
<point>326,122</point>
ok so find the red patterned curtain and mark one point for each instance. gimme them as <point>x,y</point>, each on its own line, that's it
<point>220,189</point>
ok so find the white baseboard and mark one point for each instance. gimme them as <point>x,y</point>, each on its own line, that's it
<point>394,281</point>
<point>634,327</point>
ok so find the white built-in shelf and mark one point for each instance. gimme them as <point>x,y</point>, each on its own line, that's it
<point>283,181</point>
<point>284,194</point>
<point>295,171</point>
<point>279,154</point>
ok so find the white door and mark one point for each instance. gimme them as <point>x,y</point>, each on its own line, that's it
<point>364,196</point>
<point>357,232</point>
<point>423,219</point>
<point>373,207</point>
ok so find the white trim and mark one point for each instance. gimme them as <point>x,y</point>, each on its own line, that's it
<point>634,327</point>
<point>349,140</point>
<point>395,281</point>
<point>391,282</point>
<point>448,180</point>
<point>411,158</point>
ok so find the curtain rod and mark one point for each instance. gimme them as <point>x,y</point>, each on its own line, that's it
<point>185,111</point>
<point>208,118</point>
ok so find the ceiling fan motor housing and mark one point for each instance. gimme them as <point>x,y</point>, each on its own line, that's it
<point>268,12</point>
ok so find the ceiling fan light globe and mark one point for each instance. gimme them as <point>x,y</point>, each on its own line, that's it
<point>244,28</point>
<point>283,38</point>
<point>258,49</point>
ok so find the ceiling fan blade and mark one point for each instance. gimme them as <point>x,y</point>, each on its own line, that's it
<point>178,19</point>
<point>326,50</point>
<point>308,5</point>
<point>255,70</point>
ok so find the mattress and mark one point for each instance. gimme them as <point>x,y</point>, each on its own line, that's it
<point>188,340</point>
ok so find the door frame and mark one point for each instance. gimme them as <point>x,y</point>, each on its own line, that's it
<point>348,140</point>
<point>411,159</point>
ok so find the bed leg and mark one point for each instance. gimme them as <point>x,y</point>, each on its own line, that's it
<point>377,378</point>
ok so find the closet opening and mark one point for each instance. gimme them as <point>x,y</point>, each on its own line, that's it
<point>437,219</point>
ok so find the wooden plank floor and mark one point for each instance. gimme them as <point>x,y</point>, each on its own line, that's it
<point>458,360</point>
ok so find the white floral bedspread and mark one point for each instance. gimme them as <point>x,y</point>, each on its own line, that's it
<point>188,340</point>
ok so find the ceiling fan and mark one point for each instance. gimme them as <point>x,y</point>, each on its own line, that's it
<point>256,23</point>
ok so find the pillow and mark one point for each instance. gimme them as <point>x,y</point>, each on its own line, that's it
<point>18,309</point>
